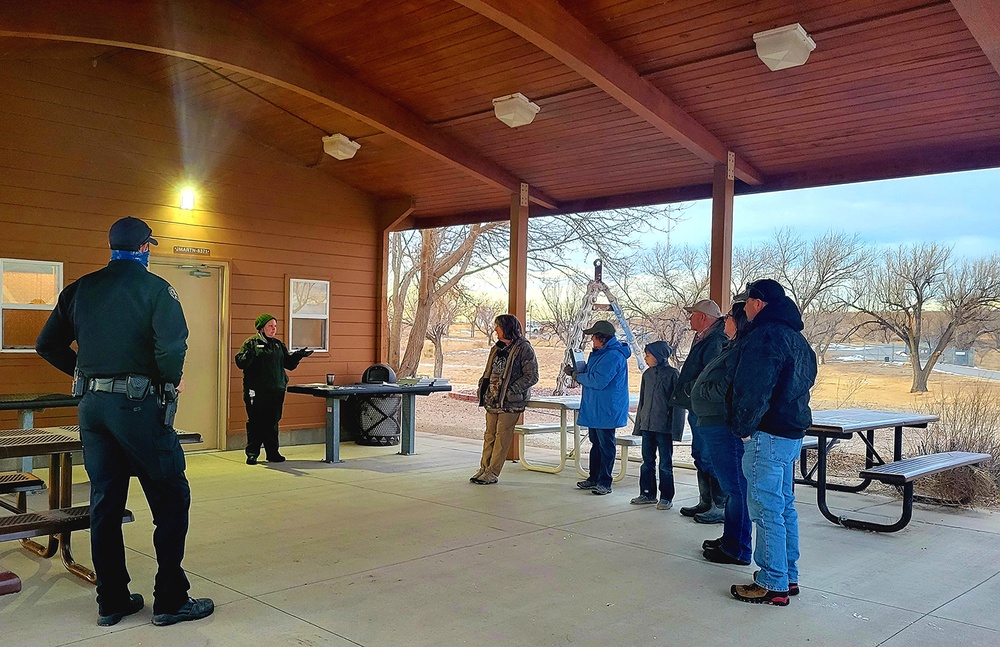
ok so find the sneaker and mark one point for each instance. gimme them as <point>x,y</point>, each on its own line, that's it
<point>134,605</point>
<point>642,499</point>
<point>486,479</point>
<point>586,485</point>
<point>712,543</point>
<point>252,459</point>
<point>193,609</point>
<point>715,515</point>
<point>664,504</point>
<point>719,556</point>
<point>278,458</point>
<point>696,509</point>
<point>793,587</point>
<point>475,477</point>
<point>602,489</point>
<point>756,594</point>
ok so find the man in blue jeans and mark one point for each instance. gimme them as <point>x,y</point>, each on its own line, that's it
<point>775,370</point>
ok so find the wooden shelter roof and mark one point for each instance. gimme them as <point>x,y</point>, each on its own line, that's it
<point>639,99</point>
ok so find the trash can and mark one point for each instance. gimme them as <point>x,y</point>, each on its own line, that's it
<point>378,419</point>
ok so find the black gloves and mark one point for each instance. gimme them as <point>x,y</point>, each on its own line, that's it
<point>568,370</point>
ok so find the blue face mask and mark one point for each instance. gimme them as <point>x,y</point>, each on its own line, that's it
<point>128,255</point>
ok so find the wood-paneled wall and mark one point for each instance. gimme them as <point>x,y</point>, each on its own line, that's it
<point>81,147</point>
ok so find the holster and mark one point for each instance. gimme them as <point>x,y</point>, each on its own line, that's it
<point>168,401</point>
<point>137,387</point>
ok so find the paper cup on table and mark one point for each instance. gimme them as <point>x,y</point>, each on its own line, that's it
<point>329,378</point>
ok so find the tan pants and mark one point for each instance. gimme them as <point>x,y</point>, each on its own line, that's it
<point>496,440</point>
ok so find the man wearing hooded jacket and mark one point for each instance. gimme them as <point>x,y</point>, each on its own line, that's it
<point>604,403</point>
<point>769,409</point>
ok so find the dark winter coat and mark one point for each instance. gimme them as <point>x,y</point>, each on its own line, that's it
<point>604,402</point>
<point>264,360</point>
<point>775,369</point>
<point>710,393</point>
<point>655,413</point>
<point>519,375</point>
<point>707,348</point>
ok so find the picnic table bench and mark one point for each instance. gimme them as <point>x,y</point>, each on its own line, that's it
<point>62,517</point>
<point>831,426</point>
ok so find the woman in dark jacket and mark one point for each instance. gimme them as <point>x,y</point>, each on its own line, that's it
<point>264,359</point>
<point>659,423</point>
<point>709,400</point>
<point>504,388</point>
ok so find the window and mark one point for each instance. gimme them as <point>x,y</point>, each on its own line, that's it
<point>29,292</point>
<point>309,306</point>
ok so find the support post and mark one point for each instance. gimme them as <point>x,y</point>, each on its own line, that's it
<point>518,301</point>
<point>721,264</point>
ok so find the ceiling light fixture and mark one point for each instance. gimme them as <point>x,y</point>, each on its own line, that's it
<point>187,198</point>
<point>784,47</point>
<point>515,110</point>
<point>340,147</point>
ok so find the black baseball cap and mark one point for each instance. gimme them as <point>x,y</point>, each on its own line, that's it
<point>129,234</point>
<point>767,290</point>
<point>602,327</point>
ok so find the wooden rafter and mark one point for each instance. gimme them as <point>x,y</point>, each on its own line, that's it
<point>548,26</point>
<point>982,17</point>
<point>215,32</point>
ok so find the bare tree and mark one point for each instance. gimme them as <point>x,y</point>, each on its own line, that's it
<point>445,256</point>
<point>436,260</point>
<point>442,315</point>
<point>898,291</point>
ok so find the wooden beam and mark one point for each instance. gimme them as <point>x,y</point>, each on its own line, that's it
<point>721,262</point>
<point>218,33</point>
<point>548,26</point>
<point>982,17</point>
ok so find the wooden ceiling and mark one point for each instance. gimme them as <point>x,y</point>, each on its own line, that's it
<point>639,98</point>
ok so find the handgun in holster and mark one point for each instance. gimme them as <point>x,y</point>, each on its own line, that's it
<point>168,402</point>
<point>79,383</point>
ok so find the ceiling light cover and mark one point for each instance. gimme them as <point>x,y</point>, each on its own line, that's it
<point>784,47</point>
<point>515,110</point>
<point>340,147</point>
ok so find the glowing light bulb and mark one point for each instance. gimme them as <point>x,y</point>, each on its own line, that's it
<point>187,198</point>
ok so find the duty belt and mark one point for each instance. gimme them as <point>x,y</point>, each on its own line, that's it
<point>113,385</point>
<point>107,384</point>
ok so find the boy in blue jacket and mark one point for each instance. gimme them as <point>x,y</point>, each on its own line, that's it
<point>604,403</point>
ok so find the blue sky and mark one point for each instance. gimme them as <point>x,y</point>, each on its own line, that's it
<point>960,209</point>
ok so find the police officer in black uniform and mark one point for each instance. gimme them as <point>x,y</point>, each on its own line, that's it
<point>132,338</point>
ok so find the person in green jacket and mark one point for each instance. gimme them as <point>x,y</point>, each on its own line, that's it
<point>264,360</point>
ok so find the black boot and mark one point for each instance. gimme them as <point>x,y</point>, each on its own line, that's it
<point>705,490</point>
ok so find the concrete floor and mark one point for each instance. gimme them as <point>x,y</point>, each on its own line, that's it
<point>393,550</point>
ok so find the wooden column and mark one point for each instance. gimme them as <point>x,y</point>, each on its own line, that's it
<point>721,264</point>
<point>517,303</point>
<point>392,217</point>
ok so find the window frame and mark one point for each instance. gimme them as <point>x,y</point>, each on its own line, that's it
<point>60,278</point>
<point>323,317</point>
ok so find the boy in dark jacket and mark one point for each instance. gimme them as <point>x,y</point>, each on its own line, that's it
<point>659,423</point>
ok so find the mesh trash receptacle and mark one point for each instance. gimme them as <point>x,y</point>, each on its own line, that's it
<point>379,419</point>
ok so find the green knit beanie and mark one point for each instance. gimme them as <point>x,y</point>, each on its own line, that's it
<point>262,320</point>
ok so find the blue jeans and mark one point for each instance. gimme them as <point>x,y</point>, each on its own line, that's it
<point>768,463</point>
<point>725,450</point>
<point>708,484</point>
<point>651,443</point>
<point>602,455</point>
